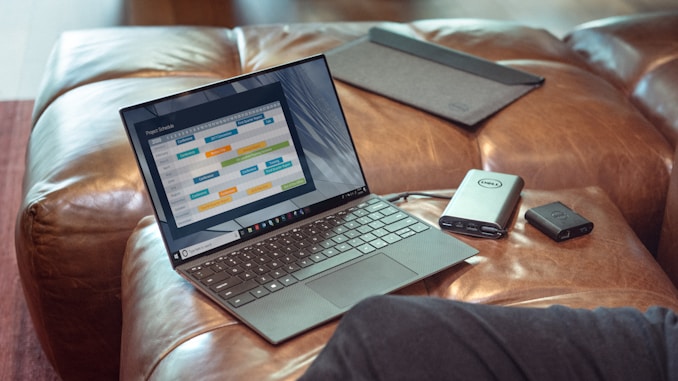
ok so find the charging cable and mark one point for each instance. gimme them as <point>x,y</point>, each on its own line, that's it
<point>405,195</point>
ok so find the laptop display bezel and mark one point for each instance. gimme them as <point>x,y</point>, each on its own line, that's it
<point>300,214</point>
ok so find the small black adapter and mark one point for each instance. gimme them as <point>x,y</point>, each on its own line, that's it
<point>558,221</point>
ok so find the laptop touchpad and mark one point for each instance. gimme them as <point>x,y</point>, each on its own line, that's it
<point>376,275</point>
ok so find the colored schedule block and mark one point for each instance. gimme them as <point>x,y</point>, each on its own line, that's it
<point>260,188</point>
<point>205,177</point>
<point>183,155</point>
<point>254,154</point>
<point>199,194</point>
<point>228,191</point>
<point>220,136</point>
<point>252,147</point>
<point>215,203</point>
<point>277,168</point>
<point>273,162</point>
<point>185,139</point>
<point>294,184</point>
<point>249,170</point>
<point>218,151</point>
<point>249,120</point>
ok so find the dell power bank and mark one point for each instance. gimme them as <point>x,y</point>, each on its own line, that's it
<point>483,204</point>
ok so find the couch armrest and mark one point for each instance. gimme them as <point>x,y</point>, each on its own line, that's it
<point>639,55</point>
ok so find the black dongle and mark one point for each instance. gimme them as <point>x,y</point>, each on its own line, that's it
<point>558,221</point>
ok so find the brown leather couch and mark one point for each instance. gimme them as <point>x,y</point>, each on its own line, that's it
<point>600,136</point>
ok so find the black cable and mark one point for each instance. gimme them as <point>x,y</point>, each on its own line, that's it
<point>405,195</point>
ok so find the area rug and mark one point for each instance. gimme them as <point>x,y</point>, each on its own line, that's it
<point>21,355</point>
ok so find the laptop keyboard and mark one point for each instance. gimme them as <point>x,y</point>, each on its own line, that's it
<point>256,271</point>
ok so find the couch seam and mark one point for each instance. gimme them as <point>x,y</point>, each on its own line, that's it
<point>240,43</point>
<point>178,343</point>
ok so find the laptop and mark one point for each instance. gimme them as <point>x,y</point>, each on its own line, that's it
<point>263,206</point>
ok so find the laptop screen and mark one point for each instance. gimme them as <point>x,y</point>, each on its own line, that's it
<point>236,159</point>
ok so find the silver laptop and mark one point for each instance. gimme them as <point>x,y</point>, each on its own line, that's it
<point>263,206</point>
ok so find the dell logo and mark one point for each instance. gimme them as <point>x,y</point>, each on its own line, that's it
<point>458,107</point>
<point>490,183</point>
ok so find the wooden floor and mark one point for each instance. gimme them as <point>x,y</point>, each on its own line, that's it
<point>30,27</point>
<point>557,16</point>
<point>21,357</point>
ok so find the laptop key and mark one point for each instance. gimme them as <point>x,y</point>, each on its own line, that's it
<point>301,254</point>
<point>241,300</point>
<point>352,234</point>
<point>366,248</point>
<point>260,270</point>
<point>304,262</point>
<point>287,280</point>
<point>315,249</point>
<point>391,238</point>
<point>327,244</point>
<point>378,243</point>
<point>406,233</point>
<point>361,213</point>
<point>218,267</point>
<point>352,225</point>
<point>376,216</point>
<point>327,264</point>
<point>277,273</point>
<point>419,227</point>
<point>376,224</point>
<point>232,261</point>
<point>239,289</point>
<point>262,259</point>
<point>365,229</point>
<point>291,267</point>
<point>203,273</point>
<point>364,221</point>
<point>226,284</point>
<point>388,211</point>
<point>216,278</point>
<point>264,278</point>
<point>195,268</point>
<point>393,218</point>
<point>380,232</point>
<point>343,247</point>
<point>260,292</point>
<point>401,224</point>
<point>377,206</point>
<point>273,286</point>
<point>303,244</point>
<point>318,257</point>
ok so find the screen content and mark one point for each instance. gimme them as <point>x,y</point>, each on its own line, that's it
<point>240,157</point>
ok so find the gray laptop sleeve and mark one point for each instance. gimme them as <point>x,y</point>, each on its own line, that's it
<point>445,82</point>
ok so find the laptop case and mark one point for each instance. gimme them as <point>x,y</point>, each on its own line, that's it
<point>445,82</point>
